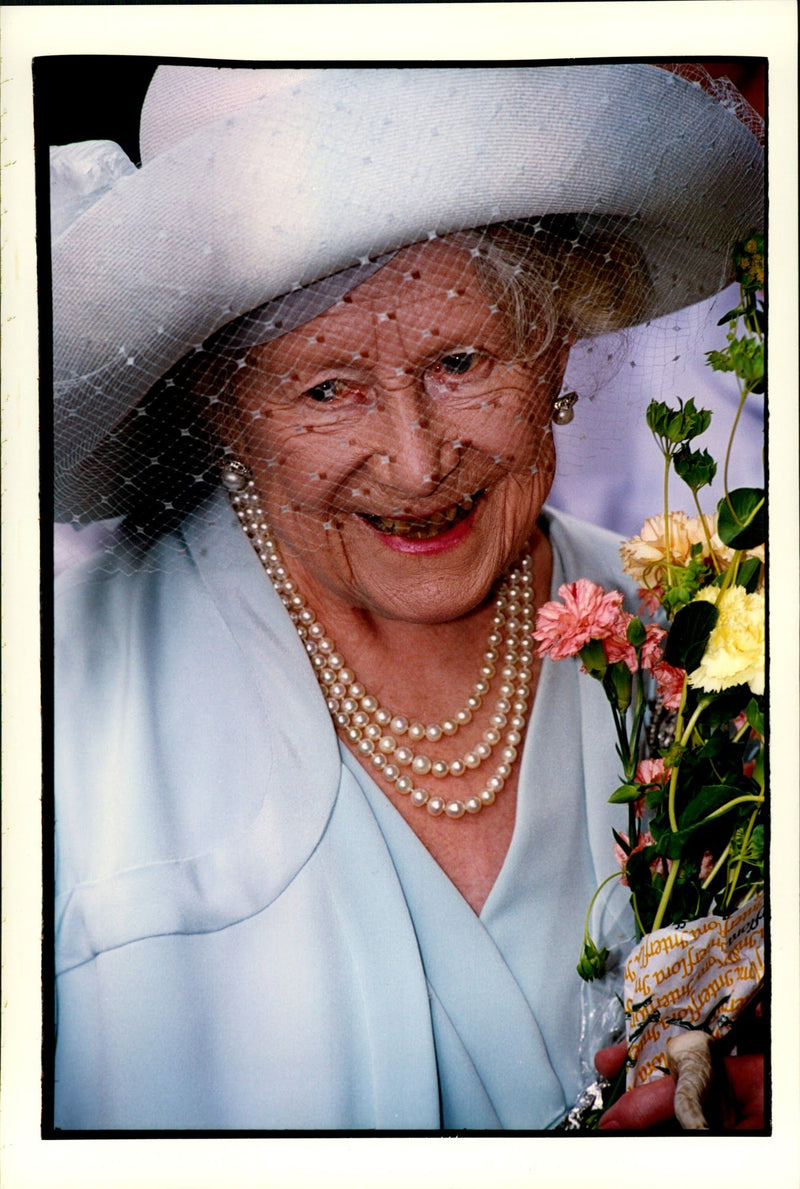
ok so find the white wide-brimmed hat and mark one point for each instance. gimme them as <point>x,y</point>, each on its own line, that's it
<point>258,181</point>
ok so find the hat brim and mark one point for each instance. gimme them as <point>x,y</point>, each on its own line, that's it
<point>345,164</point>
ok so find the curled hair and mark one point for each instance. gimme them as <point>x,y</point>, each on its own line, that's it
<point>550,277</point>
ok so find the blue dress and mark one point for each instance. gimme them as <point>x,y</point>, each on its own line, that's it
<point>249,935</point>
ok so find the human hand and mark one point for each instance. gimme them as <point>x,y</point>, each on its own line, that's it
<point>735,1103</point>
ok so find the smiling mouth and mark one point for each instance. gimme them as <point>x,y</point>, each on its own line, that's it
<point>424,528</point>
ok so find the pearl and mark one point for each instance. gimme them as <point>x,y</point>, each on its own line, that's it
<point>454,809</point>
<point>359,715</point>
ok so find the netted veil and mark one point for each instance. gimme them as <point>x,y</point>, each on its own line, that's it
<point>199,302</point>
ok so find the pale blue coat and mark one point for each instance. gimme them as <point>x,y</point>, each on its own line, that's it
<point>248,935</point>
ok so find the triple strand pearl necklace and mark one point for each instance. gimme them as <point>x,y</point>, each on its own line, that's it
<point>381,737</point>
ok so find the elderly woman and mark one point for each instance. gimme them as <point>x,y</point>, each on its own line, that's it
<point>327,827</point>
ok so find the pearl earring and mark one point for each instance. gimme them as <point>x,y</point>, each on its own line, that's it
<point>563,408</point>
<point>234,474</point>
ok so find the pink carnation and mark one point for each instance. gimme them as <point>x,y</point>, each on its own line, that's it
<point>617,648</point>
<point>669,682</point>
<point>706,865</point>
<point>651,771</point>
<point>650,599</point>
<point>587,613</point>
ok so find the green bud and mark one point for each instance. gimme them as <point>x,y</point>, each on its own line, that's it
<point>696,467</point>
<point>673,426</point>
<point>593,961</point>
<point>594,659</point>
<point>617,683</point>
<point>636,635</point>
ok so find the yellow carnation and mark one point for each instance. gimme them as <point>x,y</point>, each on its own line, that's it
<point>735,651</point>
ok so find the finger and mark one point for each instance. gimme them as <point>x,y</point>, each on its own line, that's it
<point>608,1062</point>
<point>641,1108</point>
<point>745,1076</point>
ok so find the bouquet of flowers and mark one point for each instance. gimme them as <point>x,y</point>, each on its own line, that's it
<point>686,696</point>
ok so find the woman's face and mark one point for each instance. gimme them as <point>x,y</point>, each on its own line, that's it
<point>401,453</point>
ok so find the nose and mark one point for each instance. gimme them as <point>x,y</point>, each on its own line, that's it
<point>412,451</point>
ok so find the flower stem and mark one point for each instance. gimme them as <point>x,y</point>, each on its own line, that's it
<point>666,894</point>
<point>745,843</point>
<point>592,902</point>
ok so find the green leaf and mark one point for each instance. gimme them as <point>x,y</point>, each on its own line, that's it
<point>707,800</point>
<point>624,794</point>
<point>755,716</point>
<point>731,316</point>
<point>748,574</point>
<point>696,467</point>
<point>741,518</point>
<point>689,634</point>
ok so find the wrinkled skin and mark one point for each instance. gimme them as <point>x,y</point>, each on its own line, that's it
<point>363,412</point>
